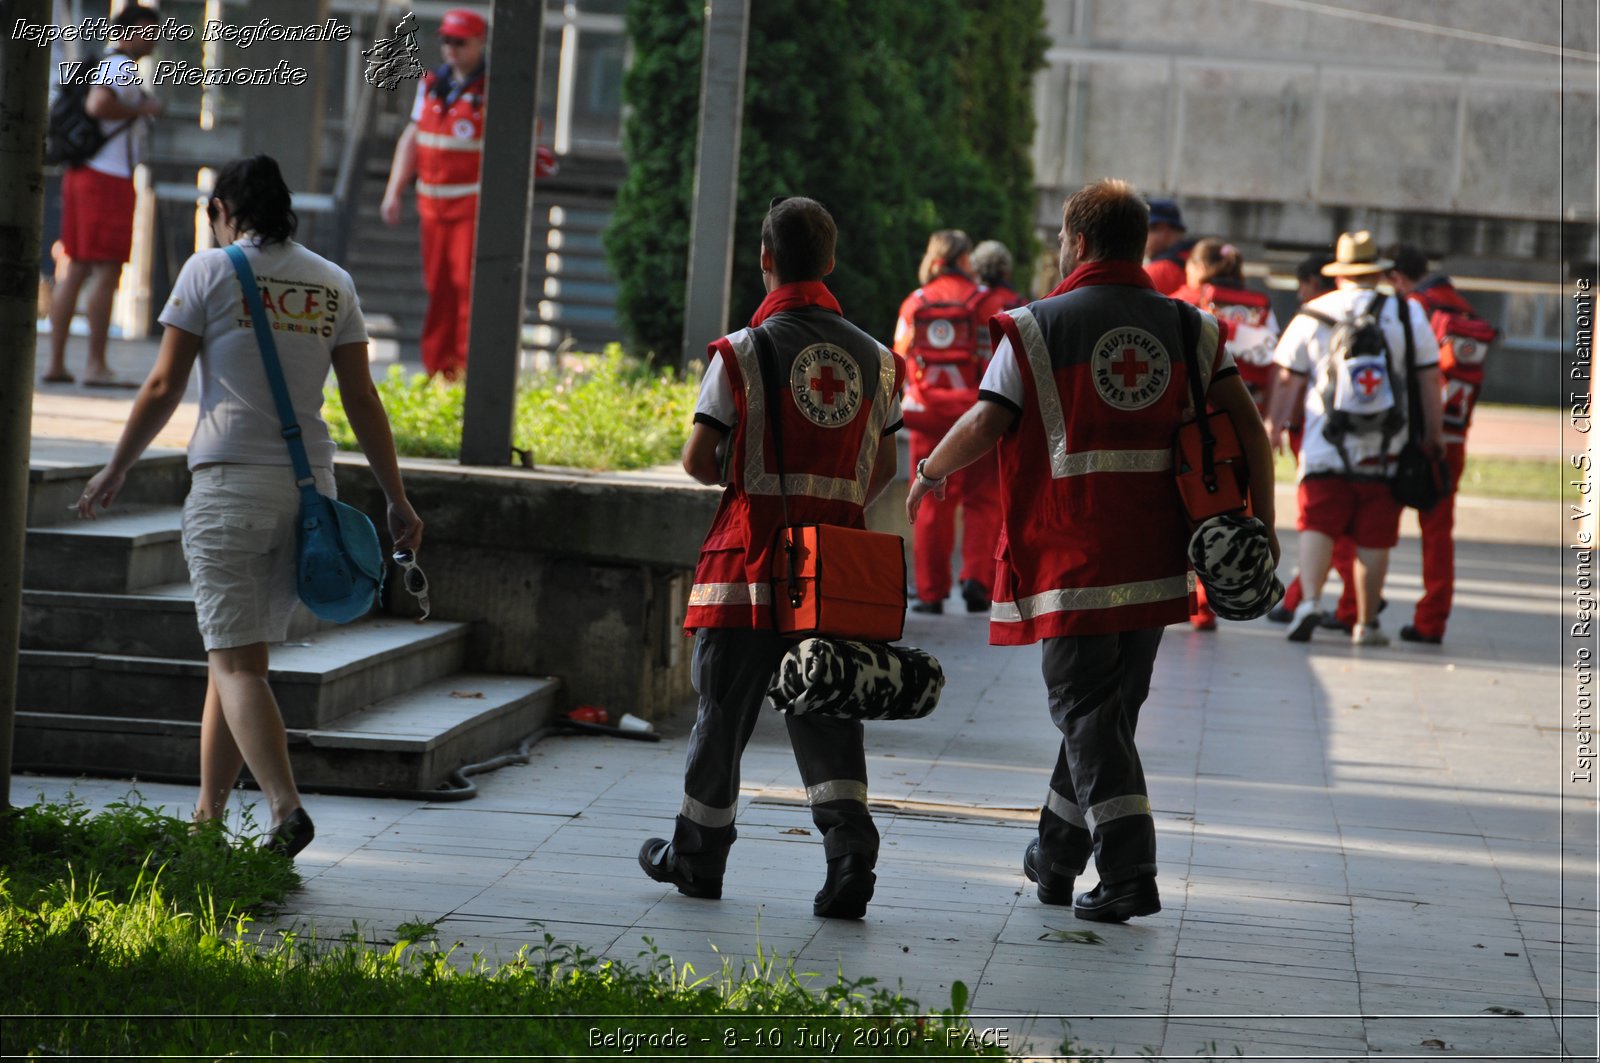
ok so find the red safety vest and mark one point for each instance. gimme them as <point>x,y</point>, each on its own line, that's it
<point>938,336</point>
<point>449,149</point>
<point>1094,535</point>
<point>1465,340</point>
<point>1167,270</point>
<point>996,299</point>
<point>830,371</point>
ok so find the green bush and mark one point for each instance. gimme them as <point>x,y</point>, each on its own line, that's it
<point>612,414</point>
<point>102,960</point>
<point>901,116</point>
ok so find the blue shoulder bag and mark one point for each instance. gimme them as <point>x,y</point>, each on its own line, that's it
<point>339,564</point>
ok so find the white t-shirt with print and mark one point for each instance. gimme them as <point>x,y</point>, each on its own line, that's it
<point>312,307</point>
<point>1303,349</point>
<point>125,148</point>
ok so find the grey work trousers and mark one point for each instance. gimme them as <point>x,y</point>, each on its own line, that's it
<point>1097,803</point>
<point>731,670</point>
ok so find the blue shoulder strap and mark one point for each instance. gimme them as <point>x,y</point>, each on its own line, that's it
<point>269,360</point>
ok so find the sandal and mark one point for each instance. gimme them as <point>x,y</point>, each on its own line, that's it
<point>58,378</point>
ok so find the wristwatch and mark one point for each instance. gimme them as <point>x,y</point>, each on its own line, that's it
<point>927,481</point>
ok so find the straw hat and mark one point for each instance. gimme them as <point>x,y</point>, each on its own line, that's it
<point>1354,255</point>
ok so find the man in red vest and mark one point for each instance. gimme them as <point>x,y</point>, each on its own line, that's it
<point>835,390</point>
<point>1083,396</point>
<point>442,147</point>
<point>1464,343</point>
<point>1167,246</point>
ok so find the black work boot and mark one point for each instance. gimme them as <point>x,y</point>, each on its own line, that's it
<point>664,865</point>
<point>848,889</point>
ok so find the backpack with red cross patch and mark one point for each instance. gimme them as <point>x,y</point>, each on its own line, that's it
<point>1465,340</point>
<point>1359,388</point>
<point>946,334</point>
<point>943,367</point>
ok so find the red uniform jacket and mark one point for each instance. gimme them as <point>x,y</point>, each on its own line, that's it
<point>836,390</point>
<point>1095,536</point>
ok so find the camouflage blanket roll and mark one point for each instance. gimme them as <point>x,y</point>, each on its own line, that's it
<point>856,680</point>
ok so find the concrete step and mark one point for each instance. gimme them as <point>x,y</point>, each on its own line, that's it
<point>59,469</point>
<point>114,554</point>
<point>155,622</point>
<point>316,681</point>
<point>409,742</point>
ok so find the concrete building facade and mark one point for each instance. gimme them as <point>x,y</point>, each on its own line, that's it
<point>1280,123</point>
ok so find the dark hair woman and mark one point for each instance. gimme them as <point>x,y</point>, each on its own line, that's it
<point>239,519</point>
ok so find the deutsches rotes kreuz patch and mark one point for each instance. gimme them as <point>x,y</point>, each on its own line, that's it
<point>827,385</point>
<point>1131,369</point>
<point>941,333</point>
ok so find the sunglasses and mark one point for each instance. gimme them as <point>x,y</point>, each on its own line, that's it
<point>452,42</point>
<point>412,577</point>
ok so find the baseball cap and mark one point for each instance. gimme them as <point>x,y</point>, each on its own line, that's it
<point>1233,559</point>
<point>463,22</point>
<point>1166,212</point>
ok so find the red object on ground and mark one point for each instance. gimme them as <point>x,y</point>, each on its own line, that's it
<point>589,714</point>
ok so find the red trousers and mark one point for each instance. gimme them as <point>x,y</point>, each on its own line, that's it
<point>1439,552</point>
<point>449,230</point>
<point>976,490</point>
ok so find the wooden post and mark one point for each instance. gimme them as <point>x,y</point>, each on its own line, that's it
<point>24,94</point>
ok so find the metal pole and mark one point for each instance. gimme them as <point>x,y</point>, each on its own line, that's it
<point>505,218</point>
<point>24,92</point>
<point>716,175</point>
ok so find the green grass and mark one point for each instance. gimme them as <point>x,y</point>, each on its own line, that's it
<point>125,934</point>
<point>613,413</point>
<point>1540,479</point>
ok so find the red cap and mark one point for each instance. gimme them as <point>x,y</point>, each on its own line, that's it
<point>463,22</point>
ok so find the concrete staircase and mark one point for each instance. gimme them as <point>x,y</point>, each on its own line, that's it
<point>112,674</point>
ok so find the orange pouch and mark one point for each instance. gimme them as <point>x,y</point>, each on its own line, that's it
<point>1225,488</point>
<point>848,583</point>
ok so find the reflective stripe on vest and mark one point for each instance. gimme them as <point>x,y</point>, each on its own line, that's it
<point>707,594</point>
<point>1064,463</point>
<point>758,481</point>
<point>1077,599</point>
<point>446,191</point>
<point>446,142</point>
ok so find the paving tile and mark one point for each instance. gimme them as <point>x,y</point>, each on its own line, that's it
<point>1337,833</point>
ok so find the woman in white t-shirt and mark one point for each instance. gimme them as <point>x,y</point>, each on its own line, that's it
<point>239,519</point>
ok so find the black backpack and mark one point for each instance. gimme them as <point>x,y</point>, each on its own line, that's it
<point>74,136</point>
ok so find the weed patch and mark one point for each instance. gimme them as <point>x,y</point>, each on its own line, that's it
<point>126,934</point>
<point>612,413</point>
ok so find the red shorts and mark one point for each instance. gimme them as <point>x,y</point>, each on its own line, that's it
<point>96,215</point>
<point>1363,510</point>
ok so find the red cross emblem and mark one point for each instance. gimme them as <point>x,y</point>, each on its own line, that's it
<point>1369,380</point>
<point>826,386</point>
<point>1130,366</point>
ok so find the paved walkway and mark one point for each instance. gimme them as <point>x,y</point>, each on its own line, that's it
<point>1364,854</point>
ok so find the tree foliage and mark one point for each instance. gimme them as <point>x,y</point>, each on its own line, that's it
<point>900,116</point>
